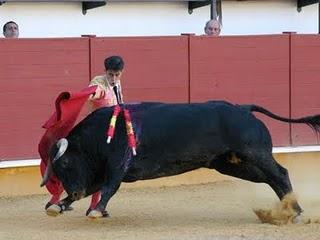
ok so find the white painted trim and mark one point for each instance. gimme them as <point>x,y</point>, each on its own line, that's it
<point>299,149</point>
<point>36,162</point>
<point>19,163</point>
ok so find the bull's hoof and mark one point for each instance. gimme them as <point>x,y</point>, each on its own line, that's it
<point>64,208</point>
<point>53,210</point>
<point>286,212</point>
<point>297,219</point>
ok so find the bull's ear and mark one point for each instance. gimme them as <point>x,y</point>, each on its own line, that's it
<point>62,146</point>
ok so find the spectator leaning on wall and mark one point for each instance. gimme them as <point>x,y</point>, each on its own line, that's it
<point>212,28</point>
<point>11,30</point>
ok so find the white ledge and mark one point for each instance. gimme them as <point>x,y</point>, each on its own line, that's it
<point>19,163</point>
<point>298,149</point>
<point>36,162</point>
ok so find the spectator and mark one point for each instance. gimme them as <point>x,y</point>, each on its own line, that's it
<point>212,28</point>
<point>11,30</point>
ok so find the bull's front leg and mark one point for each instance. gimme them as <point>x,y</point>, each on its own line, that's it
<point>65,204</point>
<point>57,209</point>
<point>107,192</point>
<point>116,170</point>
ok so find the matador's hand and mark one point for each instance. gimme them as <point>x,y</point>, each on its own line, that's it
<point>99,93</point>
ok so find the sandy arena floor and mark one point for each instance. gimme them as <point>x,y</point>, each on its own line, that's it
<point>221,210</point>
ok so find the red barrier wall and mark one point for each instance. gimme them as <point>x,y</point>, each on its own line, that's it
<point>244,69</point>
<point>32,73</point>
<point>305,85</point>
<point>156,68</point>
<point>240,69</point>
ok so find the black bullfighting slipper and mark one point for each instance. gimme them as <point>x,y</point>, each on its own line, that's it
<point>47,205</point>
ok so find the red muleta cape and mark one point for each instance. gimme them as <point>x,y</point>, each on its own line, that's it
<point>68,106</point>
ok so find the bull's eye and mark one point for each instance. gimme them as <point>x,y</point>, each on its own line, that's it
<point>64,163</point>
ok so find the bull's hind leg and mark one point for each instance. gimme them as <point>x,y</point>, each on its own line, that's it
<point>278,179</point>
<point>262,169</point>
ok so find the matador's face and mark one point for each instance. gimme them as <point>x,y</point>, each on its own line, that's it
<point>113,77</point>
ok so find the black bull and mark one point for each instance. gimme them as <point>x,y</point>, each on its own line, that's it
<point>172,139</point>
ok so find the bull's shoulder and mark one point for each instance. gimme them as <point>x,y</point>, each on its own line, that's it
<point>142,105</point>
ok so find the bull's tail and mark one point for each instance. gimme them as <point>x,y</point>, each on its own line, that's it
<point>312,121</point>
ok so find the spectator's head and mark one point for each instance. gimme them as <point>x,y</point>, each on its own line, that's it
<point>212,28</point>
<point>114,66</point>
<point>11,30</point>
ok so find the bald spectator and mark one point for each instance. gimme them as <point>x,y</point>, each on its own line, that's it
<point>11,30</point>
<point>212,28</point>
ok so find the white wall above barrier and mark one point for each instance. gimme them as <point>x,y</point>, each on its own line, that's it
<point>44,19</point>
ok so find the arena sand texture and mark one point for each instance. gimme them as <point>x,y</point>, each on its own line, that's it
<point>221,210</point>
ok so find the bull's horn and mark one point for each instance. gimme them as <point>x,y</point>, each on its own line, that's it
<point>62,145</point>
<point>47,174</point>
